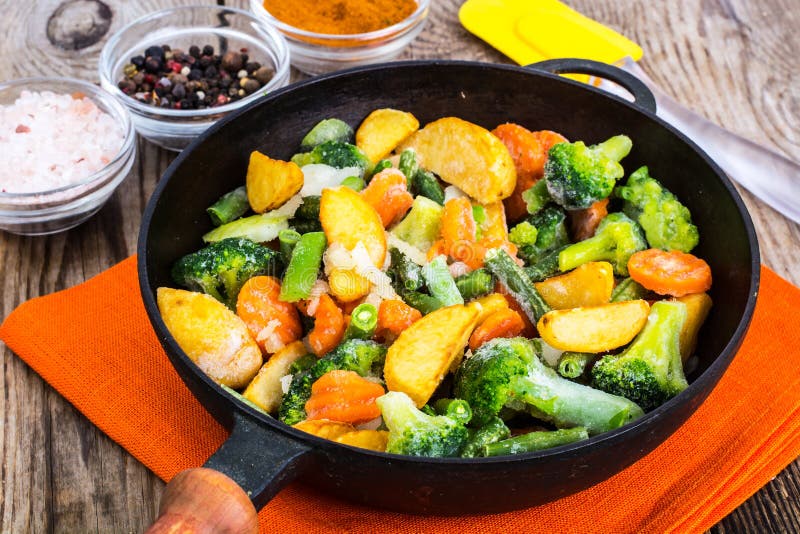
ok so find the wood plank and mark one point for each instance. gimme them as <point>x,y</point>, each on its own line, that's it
<point>734,61</point>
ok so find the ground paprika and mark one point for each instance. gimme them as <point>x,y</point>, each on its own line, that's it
<point>340,17</point>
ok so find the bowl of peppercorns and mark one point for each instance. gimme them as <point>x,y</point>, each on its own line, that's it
<point>180,70</point>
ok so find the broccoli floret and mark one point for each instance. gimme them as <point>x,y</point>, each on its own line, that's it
<point>536,197</point>
<point>523,234</point>
<point>341,155</point>
<point>327,130</point>
<point>415,433</point>
<point>361,356</point>
<point>551,234</point>
<point>616,239</point>
<point>666,222</point>
<point>650,371</point>
<point>222,268</point>
<point>577,175</point>
<point>508,375</point>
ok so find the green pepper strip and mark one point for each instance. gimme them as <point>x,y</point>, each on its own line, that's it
<point>301,274</point>
<point>441,283</point>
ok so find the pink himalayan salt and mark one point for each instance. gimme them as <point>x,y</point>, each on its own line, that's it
<point>49,141</point>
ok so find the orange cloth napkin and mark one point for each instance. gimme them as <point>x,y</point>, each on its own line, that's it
<point>93,343</point>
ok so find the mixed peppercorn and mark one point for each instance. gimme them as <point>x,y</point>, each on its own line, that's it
<point>196,79</point>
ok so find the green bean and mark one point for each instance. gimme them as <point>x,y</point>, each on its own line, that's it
<point>535,441</point>
<point>229,207</point>
<point>408,275</point>
<point>288,238</point>
<point>518,283</point>
<point>309,209</point>
<point>492,432</point>
<point>475,284</point>
<point>628,289</point>
<point>363,322</point>
<point>425,304</point>
<point>574,364</point>
<point>427,185</point>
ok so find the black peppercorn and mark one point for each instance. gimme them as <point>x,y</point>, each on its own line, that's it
<point>194,51</point>
<point>210,72</point>
<point>264,75</point>
<point>232,61</point>
<point>138,61</point>
<point>251,86</point>
<point>179,91</point>
<point>195,74</point>
<point>152,65</point>
<point>252,66</point>
<point>208,50</point>
<point>155,52</point>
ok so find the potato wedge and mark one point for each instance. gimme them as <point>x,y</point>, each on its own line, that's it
<point>697,307</point>
<point>213,337</point>
<point>594,329</point>
<point>495,228</point>
<point>493,302</point>
<point>347,219</point>
<point>347,285</point>
<point>325,428</point>
<point>588,285</point>
<point>271,182</point>
<point>466,155</point>
<point>374,440</point>
<point>265,389</point>
<point>383,130</point>
<point>421,355</point>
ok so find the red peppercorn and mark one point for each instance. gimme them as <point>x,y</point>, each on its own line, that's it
<point>149,78</point>
<point>222,100</point>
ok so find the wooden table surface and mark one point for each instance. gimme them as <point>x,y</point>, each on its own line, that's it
<point>735,61</point>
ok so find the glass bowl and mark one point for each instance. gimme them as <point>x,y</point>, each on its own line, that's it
<point>56,210</point>
<point>318,53</point>
<point>223,28</point>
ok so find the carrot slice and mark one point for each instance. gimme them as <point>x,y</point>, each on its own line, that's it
<point>458,223</point>
<point>671,273</point>
<point>530,328</point>
<point>272,322</point>
<point>583,223</point>
<point>343,396</point>
<point>329,326</point>
<point>529,152</point>
<point>388,194</point>
<point>502,323</point>
<point>394,316</point>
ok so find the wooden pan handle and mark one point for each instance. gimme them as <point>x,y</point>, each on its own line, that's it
<point>204,501</point>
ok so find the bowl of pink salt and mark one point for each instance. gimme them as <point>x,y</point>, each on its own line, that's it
<point>66,146</point>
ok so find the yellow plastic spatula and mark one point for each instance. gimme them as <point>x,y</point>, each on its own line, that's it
<point>528,31</point>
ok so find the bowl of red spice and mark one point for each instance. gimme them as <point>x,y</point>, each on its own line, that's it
<point>179,70</point>
<point>66,145</point>
<point>329,35</point>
